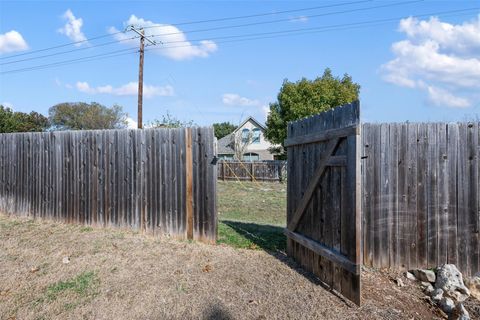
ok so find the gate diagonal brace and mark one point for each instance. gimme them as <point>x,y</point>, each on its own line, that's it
<point>323,163</point>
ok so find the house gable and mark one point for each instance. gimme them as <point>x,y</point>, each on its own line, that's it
<point>260,148</point>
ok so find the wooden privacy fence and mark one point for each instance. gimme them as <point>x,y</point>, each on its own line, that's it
<point>254,170</point>
<point>398,195</point>
<point>323,209</point>
<point>421,203</point>
<point>161,181</point>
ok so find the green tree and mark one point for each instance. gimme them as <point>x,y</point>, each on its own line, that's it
<point>85,116</point>
<point>305,97</point>
<point>11,121</point>
<point>223,129</point>
<point>170,121</point>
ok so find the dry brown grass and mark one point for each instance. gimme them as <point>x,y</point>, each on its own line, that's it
<point>122,275</point>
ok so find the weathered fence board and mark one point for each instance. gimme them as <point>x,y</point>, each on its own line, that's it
<point>272,170</point>
<point>161,181</point>
<point>421,195</point>
<point>323,198</point>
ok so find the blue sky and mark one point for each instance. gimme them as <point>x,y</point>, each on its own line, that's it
<point>417,69</point>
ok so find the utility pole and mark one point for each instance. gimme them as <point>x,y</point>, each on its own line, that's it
<point>141,33</point>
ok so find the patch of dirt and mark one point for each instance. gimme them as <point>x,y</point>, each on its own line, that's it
<point>473,307</point>
<point>142,277</point>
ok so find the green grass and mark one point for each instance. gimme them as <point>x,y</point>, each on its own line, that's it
<point>248,201</point>
<point>85,285</point>
<point>86,229</point>
<point>249,235</point>
<point>252,216</point>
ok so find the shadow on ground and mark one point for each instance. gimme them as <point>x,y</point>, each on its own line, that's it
<point>217,312</point>
<point>267,237</point>
<point>272,240</point>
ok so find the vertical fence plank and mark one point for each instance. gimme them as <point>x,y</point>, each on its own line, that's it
<point>189,182</point>
<point>463,182</point>
<point>472,205</point>
<point>409,205</point>
<point>443,186</point>
<point>403,219</point>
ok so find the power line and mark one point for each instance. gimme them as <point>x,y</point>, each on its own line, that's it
<point>88,58</point>
<point>61,45</point>
<point>268,13</point>
<point>280,20</point>
<point>247,37</point>
<point>375,22</point>
<point>186,23</point>
<point>69,51</point>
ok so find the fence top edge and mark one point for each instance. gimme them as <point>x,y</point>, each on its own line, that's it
<point>371,123</point>
<point>55,132</point>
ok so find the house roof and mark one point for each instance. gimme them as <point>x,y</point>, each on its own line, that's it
<point>224,145</point>
<point>253,120</point>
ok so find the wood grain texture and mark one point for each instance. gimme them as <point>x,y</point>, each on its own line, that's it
<point>324,198</point>
<point>421,195</point>
<point>124,178</point>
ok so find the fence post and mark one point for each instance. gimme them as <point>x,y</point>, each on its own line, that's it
<point>189,182</point>
<point>253,172</point>
<point>223,170</point>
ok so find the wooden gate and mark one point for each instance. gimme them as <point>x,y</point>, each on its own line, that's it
<point>323,202</point>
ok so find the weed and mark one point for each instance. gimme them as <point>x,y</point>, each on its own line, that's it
<point>84,284</point>
<point>86,229</point>
<point>182,287</point>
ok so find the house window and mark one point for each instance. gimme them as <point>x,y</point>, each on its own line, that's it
<point>251,156</point>
<point>256,135</point>
<point>245,135</point>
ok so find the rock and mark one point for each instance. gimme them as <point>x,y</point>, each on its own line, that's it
<point>34,269</point>
<point>66,260</point>
<point>450,280</point>
<point>437,295</point>
<point>399,282</point>
<point>459,313</point>
<point>473,284</point>
<point>427,287</point>
<point>410,276</point>
<point>447,305</point>
<point>424,275</point>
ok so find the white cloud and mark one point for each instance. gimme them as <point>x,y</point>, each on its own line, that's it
<point>129,89</point>
<point>12,41</point>
<point>266,110</point>
<point>440,97</point>
<point>233,99</point>
<point>7,105</point>
<point>176,46</point>
<point>73,28</point>
<point>299,19</point>
<point>131,124</point>
<point>461,39</point>
<point>438,58</point>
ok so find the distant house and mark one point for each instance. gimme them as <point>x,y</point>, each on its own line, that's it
<point>247,141</point>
